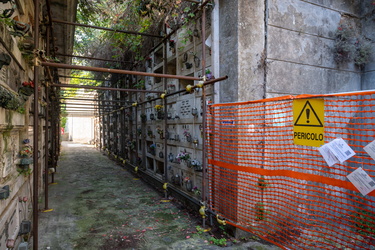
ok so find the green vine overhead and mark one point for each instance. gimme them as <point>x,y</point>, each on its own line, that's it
<point>143,16</point>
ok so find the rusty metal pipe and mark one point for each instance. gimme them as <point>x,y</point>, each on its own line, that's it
<point>165,66</point>
<point>89,104</point>
<point>93,58</point>
<point>35,132</point>
<point>85,78</point>
<point>103,88</point>
<point>107,29</point>
<point>46,129</point>
<point>117,71</point>
<point>93,100</point>
<point>204,117</point>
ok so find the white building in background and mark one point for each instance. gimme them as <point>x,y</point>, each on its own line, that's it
<point>80,129</point>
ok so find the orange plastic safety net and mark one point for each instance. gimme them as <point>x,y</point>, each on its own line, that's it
<point>262,182</point>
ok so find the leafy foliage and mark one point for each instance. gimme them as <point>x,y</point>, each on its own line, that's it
<point>144,16</point>
<point>351,47</point>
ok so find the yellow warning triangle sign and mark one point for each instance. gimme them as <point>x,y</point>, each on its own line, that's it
<point>308,117</point>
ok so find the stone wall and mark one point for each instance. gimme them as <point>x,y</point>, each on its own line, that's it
<point>16,124</point>
<point>280,47</point>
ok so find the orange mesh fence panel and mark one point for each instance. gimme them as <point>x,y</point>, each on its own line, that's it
<point>261,182</point>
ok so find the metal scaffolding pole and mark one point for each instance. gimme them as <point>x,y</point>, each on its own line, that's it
<point>103,88</point>
<point>35,132</point>
<point>117,71</point>
<point>46,132</point>
<point>204,116</point>
<point>92,100</point>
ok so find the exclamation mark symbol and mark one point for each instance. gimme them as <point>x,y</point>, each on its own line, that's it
<point>308,115</point>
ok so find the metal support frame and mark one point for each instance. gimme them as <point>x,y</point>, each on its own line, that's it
<point>103,88</point>
<point>117,71</point>
<point>204,117</point>
<point>36,131</point>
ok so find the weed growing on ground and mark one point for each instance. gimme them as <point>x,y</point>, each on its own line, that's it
<point>200,230</point>
<point>219,242</point>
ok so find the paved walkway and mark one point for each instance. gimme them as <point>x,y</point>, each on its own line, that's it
<point>99,205</point>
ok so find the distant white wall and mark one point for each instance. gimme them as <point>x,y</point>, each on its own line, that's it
<point>80,129</point>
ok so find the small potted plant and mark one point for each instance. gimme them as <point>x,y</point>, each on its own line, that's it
<point>183,156</point>
<point>26,154</point>
<point>160,132</point>
<point>196,191</point>
<point>159,112</point>
<point>196,165</point>
<point>209,75</point>
<point>27,88</point>
<point>150,134</point>
<point>187,136</point>
<point>5,59</point>
<point>143,118</point>
<point>152,149</point>
<point>172,46</point>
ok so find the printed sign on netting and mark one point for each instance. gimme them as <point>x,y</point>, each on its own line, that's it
<point>308,122</point>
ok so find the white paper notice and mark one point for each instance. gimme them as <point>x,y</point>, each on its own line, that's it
<point>336,151</point>
<point>370,149</point>
<point>328,156</point>
<point>362,181</point>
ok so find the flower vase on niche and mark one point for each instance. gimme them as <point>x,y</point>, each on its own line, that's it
<point>25,155</point>
<point>27,88</point>
<point>153,149</point>
<point>20,28</point>
<point>5,59</point>
<point>160,115</point>
<point>187,136</point>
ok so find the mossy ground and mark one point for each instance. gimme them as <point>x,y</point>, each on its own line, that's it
<point>99,205</point>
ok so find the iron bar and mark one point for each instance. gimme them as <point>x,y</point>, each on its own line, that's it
<point>85,78</point>
<point>93,58</point>
<point>46,148</point>
<point>93,100</point>
<point>46,130</point>
<point>89,104</point>
<point>117,71</point>
<point>103,88</point>
<point>107,29</point>
<point>79,99</point>
<point>165,65</point>
<point>204,116</point>
<point>35,132</point>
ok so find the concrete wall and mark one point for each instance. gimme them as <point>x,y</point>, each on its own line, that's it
<point>15,127</point>
<point>300,57</point>
<point>368,31</point>
<point>228,46</point>
<point>280,47</point>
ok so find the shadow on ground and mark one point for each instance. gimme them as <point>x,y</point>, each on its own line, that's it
<point>99,205</point>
